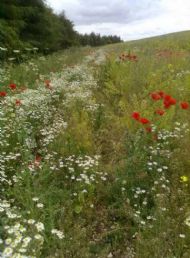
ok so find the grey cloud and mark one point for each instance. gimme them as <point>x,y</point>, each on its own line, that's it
<point>118,11</point>
<point>131,19</point>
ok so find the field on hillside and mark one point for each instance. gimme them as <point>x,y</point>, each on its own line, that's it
<point>94,152</point>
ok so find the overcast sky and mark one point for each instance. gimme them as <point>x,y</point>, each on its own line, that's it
<point>130,19</point>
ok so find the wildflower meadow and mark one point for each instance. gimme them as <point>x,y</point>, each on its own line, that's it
<point>94,152</point>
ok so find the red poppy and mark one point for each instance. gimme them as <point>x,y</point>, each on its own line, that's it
<point>47,82</point>
<point>155,96</point>
<point>144,120</point>
<point>3,94</point>
<point>136,115</point>
<point>167,97</point>
<point>167,104</point>
<point>122,56</point>
<point>37,160</point>
<point>160,112</point>
<point>49,87</point>
<point>133,57</point>
<point>12,86</point>
<point>168,101</point>
<point>18,102</point>
<point>148,129</point>
<point>172,101</point>
<point>184,105</point>
<point>161,93</point>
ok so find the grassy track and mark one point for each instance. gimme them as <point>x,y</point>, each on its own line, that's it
<point>94,152</point>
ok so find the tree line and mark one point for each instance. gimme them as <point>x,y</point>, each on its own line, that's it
<point>32,23</point>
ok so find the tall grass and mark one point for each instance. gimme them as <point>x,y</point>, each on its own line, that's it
<point>80,177</point>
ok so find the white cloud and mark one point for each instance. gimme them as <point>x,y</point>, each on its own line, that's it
<point>131,19</point>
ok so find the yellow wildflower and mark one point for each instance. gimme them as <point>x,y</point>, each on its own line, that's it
<point>184,179</point>
<point>187,221</point>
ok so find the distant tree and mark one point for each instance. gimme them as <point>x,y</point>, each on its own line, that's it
<point>93,39</point>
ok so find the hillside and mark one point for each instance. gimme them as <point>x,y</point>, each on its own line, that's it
<point>95,152</point>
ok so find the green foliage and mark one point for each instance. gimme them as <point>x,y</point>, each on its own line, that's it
<point>28,24</point>
<point>97,40</point>
<point>35,24</point>
<point>8,36</point>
